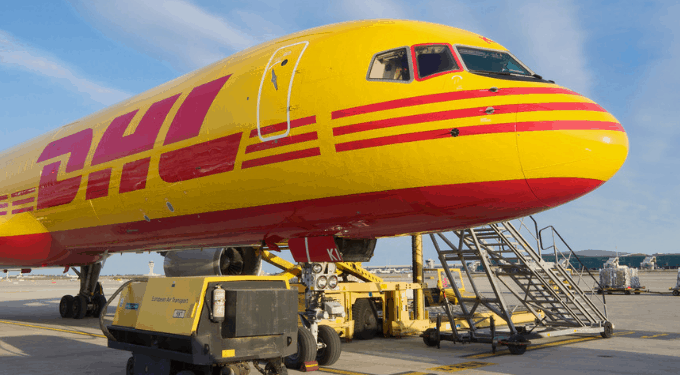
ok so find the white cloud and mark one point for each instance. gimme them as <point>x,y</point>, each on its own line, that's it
<point>175,31</point>
<point>13,53</point>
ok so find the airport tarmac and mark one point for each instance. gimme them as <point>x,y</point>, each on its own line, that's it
<point>35,340</point>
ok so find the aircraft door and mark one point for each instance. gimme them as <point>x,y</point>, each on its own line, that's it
<point>274,103</point>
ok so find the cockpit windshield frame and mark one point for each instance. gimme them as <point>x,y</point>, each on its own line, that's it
<point>416,68</point>
<point>410,66</point>
<point>455,51</point>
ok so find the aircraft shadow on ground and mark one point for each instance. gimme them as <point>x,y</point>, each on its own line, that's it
<point>566,359</point>
<point>45,311</point>
<point>33,354</point>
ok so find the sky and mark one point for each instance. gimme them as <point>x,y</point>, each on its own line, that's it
<point>63,60</point>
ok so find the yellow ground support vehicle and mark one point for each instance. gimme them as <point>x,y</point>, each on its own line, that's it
<point>374,306</point>
<point>205,325</point>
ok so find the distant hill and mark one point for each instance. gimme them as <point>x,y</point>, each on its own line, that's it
<point>599,253</point>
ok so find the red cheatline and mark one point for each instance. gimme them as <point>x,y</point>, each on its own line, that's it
<point>462,113</point>
<point>283,126</point>
<point>20,193</point>
<point>23,201</point>
<point>311,136</point>
<point>26,209</point>
<point>3,213</point>
<point>445,97</point>
<point>281,157</point>
<point>477,130</point>
<point>3,197</point>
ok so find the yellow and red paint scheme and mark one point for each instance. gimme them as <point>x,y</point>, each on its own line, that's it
<point>184,165</point>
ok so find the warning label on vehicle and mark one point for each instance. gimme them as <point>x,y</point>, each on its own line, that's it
<point>179,314</point>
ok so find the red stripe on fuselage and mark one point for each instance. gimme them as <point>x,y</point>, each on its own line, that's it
<point>25,209</point>
<point>477,130</point>
<point>445,97</point>
<point>3,197</point>
<point>4,205</point>
<point>23,201</point>
<point>281,157</point>
<point>20,193</point>
<point>283,126</point>
<point>311,136</point>
<point>462,113</point>
<point>367,215</point>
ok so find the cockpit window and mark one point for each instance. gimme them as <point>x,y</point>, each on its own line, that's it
<point>433,59</point>
<point>391,65</point>
<point>486,61</point>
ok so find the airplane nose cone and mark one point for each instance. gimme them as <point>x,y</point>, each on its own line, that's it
<point>568,149</point>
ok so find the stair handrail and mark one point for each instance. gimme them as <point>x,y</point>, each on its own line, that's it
<point>583,266</point>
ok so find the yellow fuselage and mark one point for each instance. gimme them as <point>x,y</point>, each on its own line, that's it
<point>182,165</point>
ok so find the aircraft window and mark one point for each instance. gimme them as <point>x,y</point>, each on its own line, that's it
<point>434,59</point>
<point>480,60</point>
<point>391,66</point>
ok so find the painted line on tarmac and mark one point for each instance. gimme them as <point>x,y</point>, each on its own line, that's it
<point>653,336</point>
<point>623,333</point>
<point>53,329</point>
<point>534,347</point>
<point>413,373</point>
<point>343,372</point>
<point>461,366</point>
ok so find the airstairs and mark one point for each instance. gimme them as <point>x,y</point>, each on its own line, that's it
<point>514,268</point>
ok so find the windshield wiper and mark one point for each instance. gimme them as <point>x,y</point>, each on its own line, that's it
<point>489,72</point>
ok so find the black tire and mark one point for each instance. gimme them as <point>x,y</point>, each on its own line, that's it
<point>637,292</point>
<point>79,307</point>
<point>608,330</point>
<point>130,366</point>
<point>306,350</point>
<point>627,292</point>
<point>676,293</point>
<point>331,353</point>
<point>517,349</point>
<point>429,337</point>
<point>99,302</point>
<point>66,306</point>
<point>365,322</point>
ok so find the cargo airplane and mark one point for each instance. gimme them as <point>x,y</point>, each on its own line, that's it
<point>323,140</point>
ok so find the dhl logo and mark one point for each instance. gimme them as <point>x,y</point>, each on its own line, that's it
<point>114,145</point>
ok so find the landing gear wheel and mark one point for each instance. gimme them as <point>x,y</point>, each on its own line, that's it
<point>676,293</point>
<point>79,307</point>
<point>274,368</point>
<point>608,330</point>
<point>99,302</point>
<point>331,353</point>
<point>306,350</point>
<point>430,337</point>
<point>66,306</point>
<point>517,344</point>
<point>365,323</point>
<point>130,366</point>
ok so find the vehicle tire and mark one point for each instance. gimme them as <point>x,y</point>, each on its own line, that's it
<point>331,353</point>
<point>608,330</point>
<point>99,302</point>
<point>365,322</point>
<point>517,349</point>
<point>637,292</point>
<point>429,337</point>
<point>66,306</point>
<point>306,350</point>
<point>79,307</point>
<point>599,291</point>
<point>627,292</point>
<point>676,293</point>
<point>130,367</point>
